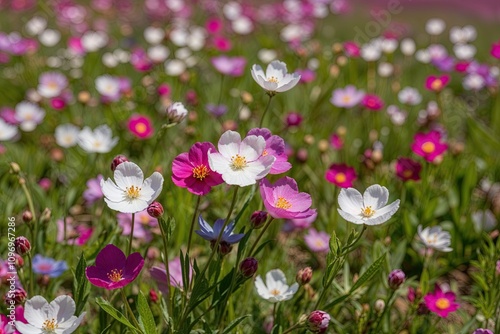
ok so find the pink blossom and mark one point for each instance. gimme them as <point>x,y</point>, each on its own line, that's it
<point>222,44</point>
<point>428,145</point>
<point>341,175</point>
<point>317,241</point>
<point>347,97</point>
<point>213,25</point>
<point>372,102</point>
<point>159,275</point>
<point>233,66</point>
<point>164,89</point>
<point>140,126</point>
<point>437,83</point>
<point>75,235</point>
<point>336,141</point>
<point>143,223</point>
<point>441,303</point>
<point>299,223</point>
<point>93,193</point>
<point>495,50</point>
<point>352,49</point>
<point>275,146</point>
<point>408,169</point>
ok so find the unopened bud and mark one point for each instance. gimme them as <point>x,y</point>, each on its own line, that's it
<point>43,280</point>
<point>396,278</point>
<point>18,260</point>
<point>176,112</point>
<point>22,245</point>
<point>246,97</point>
<point>318,321</point>
<point>379,305</point>
<point>14,168</point>
<point>248,267</point>
<point>224,247</point>
<point>304,276</point>
<point>293,119</point>
<point>46,214</point>
<point>155,210</point>
<point>258,219</point>
<point>15,297</point>
<point>153,296</point>
<point>118,160</point>
<point>27,216</point>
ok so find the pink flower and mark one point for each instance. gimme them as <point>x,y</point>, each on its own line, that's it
<point>275,146</point>
<point>306,75</point>
<point>347,97</point>
<point>317,241</point>
<point>341,175</point>
<point>213,25</point>
<point>283,199</point>
<point>441,302</point>
<point>93,193</point>
<point>428,145</point>
<point>222,44</point>
<point>164,89</point>
<point>299,223</point>
<point>408,169</point>
<point>140,126</point>
<point>233,66</point>
<point>437,83</point>
<point>372,102</point>
<point>192,170</point>
<point>75,235</point>
<point>352,49</point>
<point>293,119</point>
<point>143,222</point>
<point>159,275</point>
<point>75,46</point>
<point>336,141</point>
<point>495,50</point>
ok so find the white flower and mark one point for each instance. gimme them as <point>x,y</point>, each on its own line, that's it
<point>100,140</point>
<point>54,318</point>
<point>369,209</point>
<point>29,115</point>
<point>276,78</point>
<point>370,52</point>
<point>175,67</point>
<point>154,35</point>
<point>176,112</point>
<point>276,289</point>
<point>109,60</point>
<point>242,25</point>
<point>93,41</point>
<point>409,96</point>
<point>462,35</point>
<point>131,193</point>
<point>51,84</point>
<point>240,162</point>
<point>267,55</point>
<point>407,46</point>
<point>473,81</point>
<point>50,37</point>
<point>435,238</point>
<point>464,51</point>
<point>423,56</point>
<point>67,135</point>
<point>389,45</point>
<point>36,25</point>
<point>108,86</point>
<point>385,69</point>
<point>7,131</point>
<point>435,27</point>
<point>158,53</point>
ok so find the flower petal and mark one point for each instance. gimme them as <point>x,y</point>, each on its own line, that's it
<point>252,147</point>
<point>384,214</point>
<point>229,143</point>
<point>151,187</point>
<point>273,277</point>
<point>111,191</point>
<point>375,196</point>
<point>65,307</point>
<point>35,311</point>
<point>350,201</point>
<point>261,288</point>
<point>350,218</point>
<point>128,174</point>
<point>110,257</point>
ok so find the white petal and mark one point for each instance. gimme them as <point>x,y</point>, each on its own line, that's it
<point>128,174</point>
<point>27,328</point>
<point>218,162</point>
<point>229,143</point>
<point>252,147</point>
<point>265,163</point>
<point>276,69</point>
<point>375,196</point>
<point>350,201</point>
<point>35,311</point>
<point>238,178</point>
<point>261,288</point>
<point>152,187</point>
<point>273,276</point>
<point>384,214</point>
<point>350,218</point>
<point>64,306</point>
<point>294,80</point>
<point>75,324</point>
<point>111,191</point>
<point>133,206</point>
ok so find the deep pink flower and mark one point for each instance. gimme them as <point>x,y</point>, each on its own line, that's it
<point>437,83</point>
<point>336,141</point>
<point>318,321</point>
<point>139,59</point>
<point>283,199</point>
<point>233,66</point>
<point>441,302</point>
<point>317,242</point>
<point>461,66</point>
<point>140,126</point>
<point>495,50</point>
<point>113,270</point>
<point>306,75</point>
<point>75,235</point>
<point>372,102</point>
<point>275,146</point>
<point>57,103</point>
<point>164,89</point>
<point>192,171</point>
<point>75,46</point>
<point>408,169</point>
<point>352,49</point>
<point>428,145</point>
<point>293,119</point>
<point>213,25</point>
<point>341,175</point>
<point>222,43</point>
<point>9,115</point>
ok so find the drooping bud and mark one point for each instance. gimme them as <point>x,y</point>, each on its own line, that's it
<point>176,112</point>
<point>22,245</point>
<point>379,305</point>
<point>318,321</point>
<point>258,219</point>
<point>155,210</point>
<point>396,278</point>
<point>118,160</point>
<point>304,276</point>
<point>248,267</point>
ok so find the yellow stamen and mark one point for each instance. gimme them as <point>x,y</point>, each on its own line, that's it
<point>340,178</point>
<point>49,326</point>
<point>346,99</point>
<point>437,84</point>
<point>273,79</point>
<point>115,275</point>
<point>442,303</point>
<point>282,203</point>
<point>238,162</point>
<point>264,153</point>
<point>407,173</point>
<point>428,147</point>
<point>141,128</point>
<point>133,191</point>
<point>275,292</point>
<point>200,172</point>
<point>367,212</point>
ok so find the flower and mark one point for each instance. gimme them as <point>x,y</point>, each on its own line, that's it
<point>93,193</point>
<point>409,96</point>
<point>131,193</point>
<point>495,50</point>
<point>7,131</point>
<point>482,331</point>
<point>109,87</point>
<point>142,224</point>
<point>300,223</point>
<point>258,219</point>
<point>113,270</point>
<point>283,199</point>
<point>304,276</point>
<point>408,169</point>
<point>176,112</point>
<point>351,49</point>
<point>212,234</point>
<point>372,102</point>
<point>437,83</point>
<point>275,146</point>
<point>56,317</point>
<point>48,266</point>
<point>192,170</point>
<point>248,267</point>
<point>67,135</point>
<point>232,66</point>
<point>100,140</point>
<point>159,274</point>
<point>441,302</point>
<point>140,126</point>
<point>428,145</point>
<point>51,84</point>
<point>341,175</point>
<point>435,26</point>
<point>317,321</point>
<point>396,278</point>
<point>216,110</point>
<point>276,79</point>
<point>240,162</point>
<point>435,238</point>
<point>318,242</point>
<point>5,325</point>
<point>75,235</point>
<point>347,97</point>
<point>369,209</point>
<point>276,289</point>
<point>28,115</point>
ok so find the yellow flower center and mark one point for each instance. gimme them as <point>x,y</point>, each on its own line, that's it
<point>346,99</point>
<point>200,172</point>
<point>238,162</point>
<point>437,84</point>
<point>49,325</point>
<point>274,292</point>
<point>115,275</point>
<point>319,243</point>
<point>442,303</point>
<point>273,79</point>
<point>340,178</point>
<point>141,128</point>
<point>133,191</point>
<point>264,153</point>
<point>407,173</point>
<point>282,203</point>
<point>367,212</point>
<point>52,85</point>
<point>428,147</point>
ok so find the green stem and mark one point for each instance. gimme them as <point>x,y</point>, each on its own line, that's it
<point>22,182</point>
<point>32,276</point>
<point>164,237</point>
<point>129,247</point>
<point>351,247</point>
<point>296,326</point>
<point>129,310</point>
<point>193,222</point>
<point>265,111</point>
<point>250,253</point>
<point>220,89</point>
<point>387,306</point>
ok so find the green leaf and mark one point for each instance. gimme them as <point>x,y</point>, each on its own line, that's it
<point>335,244</point>
<point>336,301</point>
<point>369,273</point>
<point>81,285</point>
<point>146,318</point>
<point>235,323</point>
<point>109,309</point>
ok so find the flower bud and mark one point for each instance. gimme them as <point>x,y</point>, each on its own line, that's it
<point>27,216</point>
<point>379,305</point>
<point>258,219</point>
<point>45,217</point>
<point>153,296</point>
<point>118,160</point>
<point>22,245</point>
<point>18,260</point>
<point>155,210</point>
<point>14,168</point>
<point>293,119</point>
<point>176,112</point>
<point>304,276</point>
<point>396,278</point>
<point>224,247</point>
<point>15,297</point>
<point>318,321</point>
<point>43,280</point>
<point>248,267</point>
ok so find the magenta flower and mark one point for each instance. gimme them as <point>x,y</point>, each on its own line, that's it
<point>441,302</point>
<point>428,145</point>
<point>192,170</point>
<point>93,193</point>
<point>437,83</point>
<point>283,199</point>
<point>341,175</point>
<point>275,146</point>
<point>317,241</point>
<point>408,169</point>
<point>113,270</point>
<point>140,126</point>
<point>143,223</point>
<point>232,66</point>
<point>336,141</point>
<point>372,102</point>
<point>347,97</point>
<point>75,235</point>
<point>495,50</point>
<point>352,49</point>
<point>159,275</point>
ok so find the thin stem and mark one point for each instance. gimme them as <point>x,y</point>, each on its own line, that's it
<point>193,222</point>
<point>220,89</point>
<point>164,237</point>
<point>265,111</point>
<point>32,278</point>
<point>274,313</point>
<point>22,182</point>
<point>129,248</point>
<point>129,310</point>
<point>296,326</point>
<point>387,306</point>
<point>351,248</point>
<point>260,236</point>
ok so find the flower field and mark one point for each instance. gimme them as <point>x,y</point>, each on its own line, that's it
<point>295,166</point>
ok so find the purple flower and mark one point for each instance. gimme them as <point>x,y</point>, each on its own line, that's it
<point>317,241</point>
<point>159,274</point>
<point>299,223</point>
<point>275,146</point>
<point>75,235</point>
<point>233,66</point>
<point>48,266</point>
<point>216,110</point>
<point>482,331</point>
<point>211,234</point>
<point>113,270</point>
<point>93,193</point>
<point>347,97</point>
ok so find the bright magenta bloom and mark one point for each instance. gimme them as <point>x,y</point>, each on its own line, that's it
<point>113,270</point>
<point>283,199</point>
<point>192,171</point>
<point>437,83</point>
<point>140,126</point>
<point>441,302</point>
<point>372,102</point>
<point>352,49</point>
<point>495,50</point>
<point>428,145</point>
<point>408,169</point>
<point>341,175</point>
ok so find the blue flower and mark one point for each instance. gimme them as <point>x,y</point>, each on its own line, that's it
<point>48,266</point>
<point>211,234</point>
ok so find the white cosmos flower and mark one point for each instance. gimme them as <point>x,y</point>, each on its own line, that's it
<point>100,140</point>
<point>369,209</point>
<point>276,289</point>
<point>7,131</point>
<point>409,96</point>
<point>241,162</point>
<point>108,86</point>
<point>370,52</point>
<point>408,46</point>
<point>462,35</point>
<point>54,318</point>
<point>435,27</point>
<point>29,115</point>
<point>131,193</point>
<point>435,238</point>
<point>67,135</point>
<point>94,40</point>
<point>276,79</point>
<point>154,35</point>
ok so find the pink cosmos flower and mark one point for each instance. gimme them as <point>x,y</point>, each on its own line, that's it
<point>51,84</point>
<point>428,145</point>
<point>408,169</point>
<point>317,241</point>
<point>9,115</point>
<point>372,102</point>
<point>139,59</point>
<point>143,223</point>
<point>222,44</point>
<point>140,126</point>
<point>213,25</point>
<point>336,141</point>
<point>306,75</point>
<point>5,326</point>
<point>93,193</point>
<point>113,270</point>
<point>341,175</point>
<point>441,302</point>
<point>75,46</point>
<point>352,49</point>
<point>283,199</point>
<point>275,146</point>
<point>192,171</point>
<point>164,89</point>
<point>75,235</point>
<point>495,50</point>
<point>347,97</point>
<point>233,66</point>
<point>437,83</point>
<point>293,119</point>
<point>299,223</point>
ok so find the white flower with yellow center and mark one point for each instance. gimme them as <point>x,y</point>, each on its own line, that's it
<point>368,209</point>
<point>276,79</point>
<point>67,135</point>
<point>131,193</point>
<point>241,162</point>
<point>54,318</point>
<point>435,238</point>
<point>276,288</point>
<point>100,140</point>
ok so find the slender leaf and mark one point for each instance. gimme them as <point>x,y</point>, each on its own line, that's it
<point>369,273</point>
<point>109,309</point>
